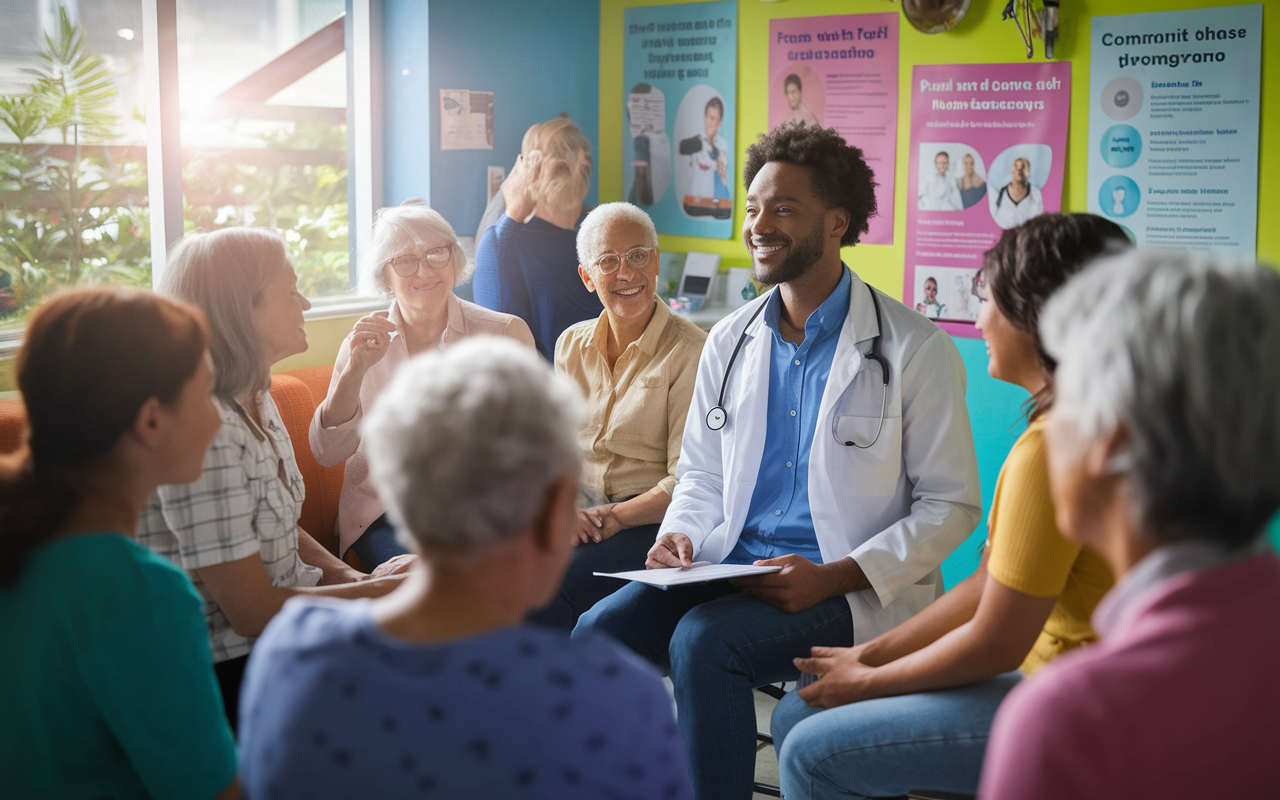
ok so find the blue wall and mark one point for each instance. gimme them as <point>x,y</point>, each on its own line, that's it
<point>406,93</point>
<point>537,58</point>
<point>996,413</point>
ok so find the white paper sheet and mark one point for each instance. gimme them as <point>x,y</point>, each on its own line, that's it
<point>700,572</point>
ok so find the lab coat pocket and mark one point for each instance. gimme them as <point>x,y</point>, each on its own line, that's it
<point>871,471</point>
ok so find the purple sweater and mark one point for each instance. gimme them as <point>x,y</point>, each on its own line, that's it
<point>1180,700</point>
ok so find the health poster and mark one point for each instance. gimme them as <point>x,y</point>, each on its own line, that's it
<point>842,72</point>
<point>680,70</point>
<point>988,142</point>
<point>1173,126</point>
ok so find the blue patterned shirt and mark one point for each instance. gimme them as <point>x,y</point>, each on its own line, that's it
<point>334,707</point>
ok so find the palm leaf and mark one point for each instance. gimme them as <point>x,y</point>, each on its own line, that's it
<point>74,86</point>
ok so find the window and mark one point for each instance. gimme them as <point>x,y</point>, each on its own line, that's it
<point>263,92</point>
<point>262,87</point>
<point>73,181</point>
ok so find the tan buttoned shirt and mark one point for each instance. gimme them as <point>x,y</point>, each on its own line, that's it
<point>635,412</point>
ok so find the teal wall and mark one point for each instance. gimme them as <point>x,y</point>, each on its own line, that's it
<point>538,59</point>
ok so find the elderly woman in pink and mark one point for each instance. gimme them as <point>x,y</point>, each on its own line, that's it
<point>415,259</point>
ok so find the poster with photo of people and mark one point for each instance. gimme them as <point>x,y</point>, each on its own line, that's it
<point>678,149</point>
<point>842,72</point>
<point>987,149</point>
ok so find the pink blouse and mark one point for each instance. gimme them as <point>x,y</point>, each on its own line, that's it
<point>359,503</point>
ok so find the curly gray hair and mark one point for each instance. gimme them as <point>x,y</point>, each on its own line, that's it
<point>1180,352</point>
<point>464,444</point>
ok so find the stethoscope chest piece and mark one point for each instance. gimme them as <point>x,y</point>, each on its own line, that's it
<point>716,418</point>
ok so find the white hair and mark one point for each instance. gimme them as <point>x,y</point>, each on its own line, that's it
<point>595,229</point>
<point>400,229</point>
<point>1180,352</point>
<point>464,444</point>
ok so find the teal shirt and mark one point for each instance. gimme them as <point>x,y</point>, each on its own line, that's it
<point>107,687</point>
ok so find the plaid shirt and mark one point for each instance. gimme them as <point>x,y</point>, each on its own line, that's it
<point>246,502</point>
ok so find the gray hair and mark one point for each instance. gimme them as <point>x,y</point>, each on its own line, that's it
<point>223,273</point>
<point>465,443</point>
<point>595,229</point>
<point>399,229</point>
<point>1180,353</point>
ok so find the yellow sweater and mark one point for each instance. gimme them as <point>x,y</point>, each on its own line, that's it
<point>1029,555</point>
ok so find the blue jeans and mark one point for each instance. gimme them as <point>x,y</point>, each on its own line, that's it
<point>378,543</point>
<point>580,589</point>
<point>889,746</point>
<point>717,645</point>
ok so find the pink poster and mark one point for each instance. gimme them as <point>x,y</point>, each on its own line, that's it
<point>988,145</point>
<point>842,72</point>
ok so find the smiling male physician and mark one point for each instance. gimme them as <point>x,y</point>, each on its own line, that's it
<point>797,453</point>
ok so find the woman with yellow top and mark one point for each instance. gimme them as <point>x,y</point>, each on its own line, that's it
<point>912,707</point>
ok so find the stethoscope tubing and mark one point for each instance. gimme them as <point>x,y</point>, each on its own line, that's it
<point>717,417</point>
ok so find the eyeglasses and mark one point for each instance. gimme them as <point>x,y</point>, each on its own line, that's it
<point>407,265</point>
<point>637,258</point>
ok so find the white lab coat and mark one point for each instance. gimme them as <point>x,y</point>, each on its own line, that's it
<point>898,508</point>
<point>703,168</point>
<point>940,193</point>
<point>1009,214</point>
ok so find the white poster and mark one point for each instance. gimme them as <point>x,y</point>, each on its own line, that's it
<point>1173,126</point>
<point>466,120</point>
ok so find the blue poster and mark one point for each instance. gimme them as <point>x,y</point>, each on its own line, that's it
<point>1173,126</point>
<point>680,72</point>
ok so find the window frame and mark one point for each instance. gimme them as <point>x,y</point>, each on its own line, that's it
<point>362,29</point>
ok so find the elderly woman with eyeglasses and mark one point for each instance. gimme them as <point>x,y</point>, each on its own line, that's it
<point>416,260</point>
<point>635,364</point>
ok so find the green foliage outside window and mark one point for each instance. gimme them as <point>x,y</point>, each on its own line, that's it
<point>73,209</point>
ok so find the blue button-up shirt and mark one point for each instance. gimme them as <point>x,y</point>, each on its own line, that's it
<point>779,521</point>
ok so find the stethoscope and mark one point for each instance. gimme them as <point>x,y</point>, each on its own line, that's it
<point>717,417</point>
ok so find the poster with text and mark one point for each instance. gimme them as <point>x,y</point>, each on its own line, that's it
<point>988,142</point>
<point>1173,126</point>
<point>842,72</point>
<point>680,83</point>
<point>466,120</point>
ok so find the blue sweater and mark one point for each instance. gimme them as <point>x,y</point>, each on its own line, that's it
<point>531,270</point>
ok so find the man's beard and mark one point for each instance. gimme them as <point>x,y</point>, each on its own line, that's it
<point>802,254</point>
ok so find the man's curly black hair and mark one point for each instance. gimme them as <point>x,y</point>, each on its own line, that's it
<point>841,176</point>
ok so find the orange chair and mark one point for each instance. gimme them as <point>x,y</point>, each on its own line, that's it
<point>13,425</point>
<point>297,394</point>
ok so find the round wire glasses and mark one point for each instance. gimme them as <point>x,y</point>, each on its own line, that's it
<point>637,258</point>
<point>407,265</point>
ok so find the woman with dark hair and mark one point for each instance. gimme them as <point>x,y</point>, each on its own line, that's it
<point>106,685</point>
<point>912,707</point>
<point>235,529</point>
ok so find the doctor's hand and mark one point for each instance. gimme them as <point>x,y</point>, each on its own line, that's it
<point>845,677</point>
<point>671,550</point>
<point>801,584</point>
